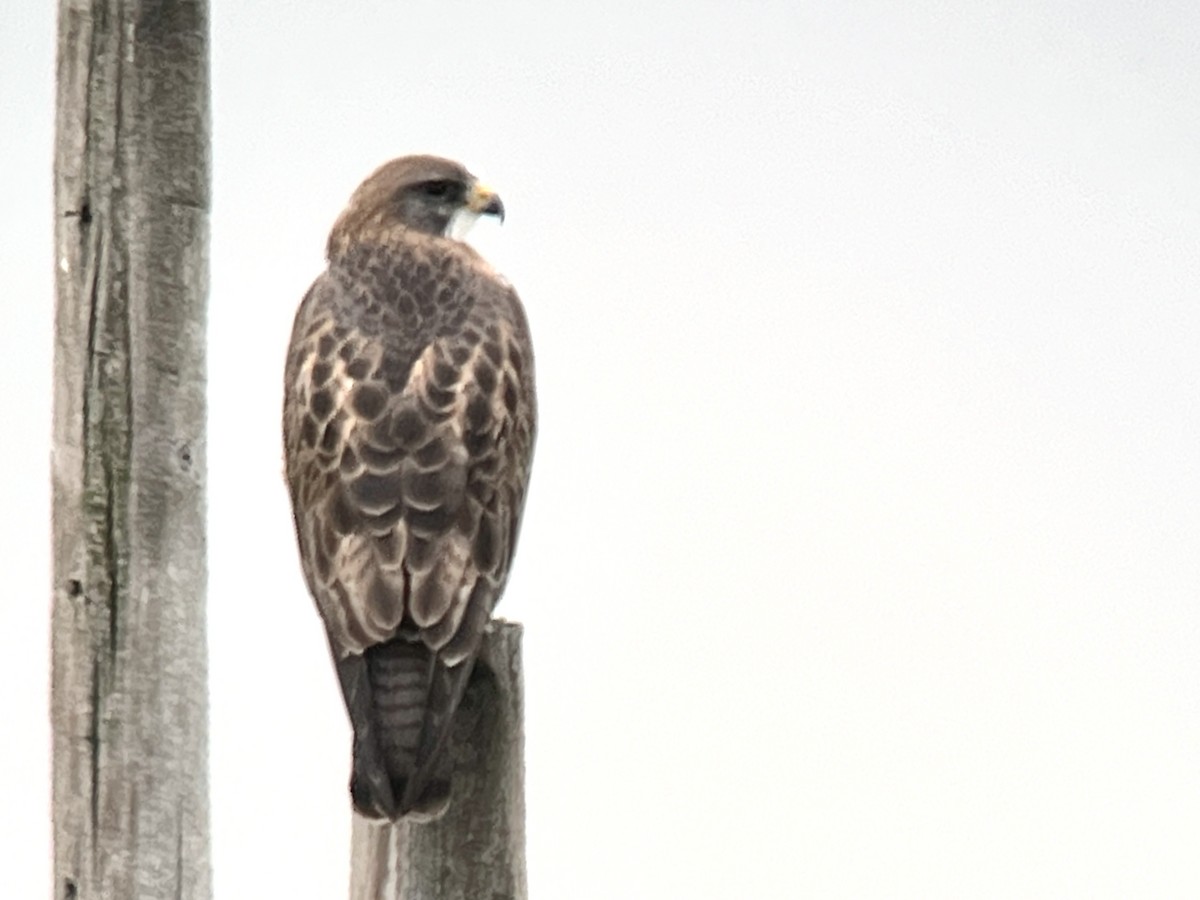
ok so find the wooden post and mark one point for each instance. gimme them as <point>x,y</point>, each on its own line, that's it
<point>476,851</point>
<point>129,698</point>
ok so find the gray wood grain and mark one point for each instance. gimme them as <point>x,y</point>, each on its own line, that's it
<point>476,851</point>
<point>129,695</point>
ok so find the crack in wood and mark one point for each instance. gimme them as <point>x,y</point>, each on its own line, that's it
<point>93,741</point>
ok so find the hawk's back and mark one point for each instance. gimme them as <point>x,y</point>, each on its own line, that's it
<point>409,423</point>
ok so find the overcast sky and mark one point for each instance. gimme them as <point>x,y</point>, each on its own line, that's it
<point>862,555</point>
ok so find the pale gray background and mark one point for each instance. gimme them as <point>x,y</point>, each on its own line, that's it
<point>861,557</point>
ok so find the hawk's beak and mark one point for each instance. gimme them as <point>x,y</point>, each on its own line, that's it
<point>485,202</point>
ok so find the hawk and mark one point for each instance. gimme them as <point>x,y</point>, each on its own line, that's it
<point>408,423</point>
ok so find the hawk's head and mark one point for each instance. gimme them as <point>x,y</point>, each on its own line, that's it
<point>427,194</point>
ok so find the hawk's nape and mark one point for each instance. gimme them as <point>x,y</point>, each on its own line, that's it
<point>409,419</point>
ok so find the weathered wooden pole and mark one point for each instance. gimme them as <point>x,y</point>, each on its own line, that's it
<point>129,699</point>
<point>476,851</point>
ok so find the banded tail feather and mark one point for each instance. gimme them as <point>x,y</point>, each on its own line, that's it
<point>402,700</point>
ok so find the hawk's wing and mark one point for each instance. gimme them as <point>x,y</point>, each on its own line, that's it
<point>408,442</point>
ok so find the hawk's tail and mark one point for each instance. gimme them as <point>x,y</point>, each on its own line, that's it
<point>401,700</point>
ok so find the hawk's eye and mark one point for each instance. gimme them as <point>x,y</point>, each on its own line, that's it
<point>437,188</point>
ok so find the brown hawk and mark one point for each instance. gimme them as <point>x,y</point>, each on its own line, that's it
<point>408,425</point>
